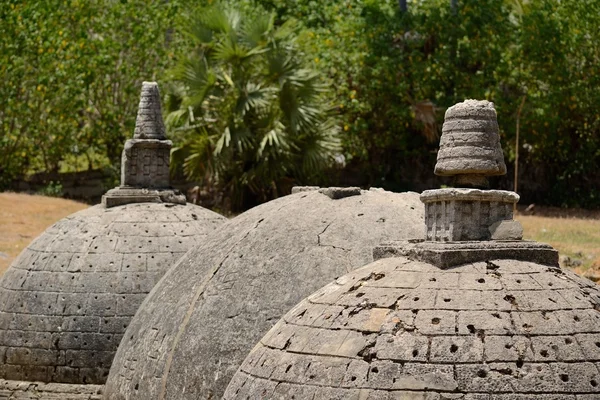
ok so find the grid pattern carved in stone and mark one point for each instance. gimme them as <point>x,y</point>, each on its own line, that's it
<point>502,330</point>
<point>67,300</point>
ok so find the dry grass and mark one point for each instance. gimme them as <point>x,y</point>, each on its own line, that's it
<point>23,217</point>
<point>578,238</point>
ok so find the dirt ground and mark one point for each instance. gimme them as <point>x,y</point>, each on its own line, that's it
<point>23,217</point>
<point>574,233</point>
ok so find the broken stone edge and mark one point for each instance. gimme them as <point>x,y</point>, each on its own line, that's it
<point>459,194</point>
<point>446,255</point>
<point>120,196</point>
<point>336,193</point>
<point>23,389</point>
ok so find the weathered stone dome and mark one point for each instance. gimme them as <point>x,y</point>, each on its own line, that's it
<point>201,320</point>
<point>398,328</point>
<point>67,299</point>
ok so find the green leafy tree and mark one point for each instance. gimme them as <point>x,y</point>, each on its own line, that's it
<point>71,73</point>
<point>251,120</point>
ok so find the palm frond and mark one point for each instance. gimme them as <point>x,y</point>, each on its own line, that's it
<point>255,98</point>
<point>254,32</point>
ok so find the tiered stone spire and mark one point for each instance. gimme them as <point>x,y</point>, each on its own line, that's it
<point>470,151</point>
<point>146,158</point>
<point>471,223</point>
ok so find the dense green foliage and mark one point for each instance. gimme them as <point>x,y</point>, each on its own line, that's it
<point>70,74</point>
<point>250,119</point>
<point>392,75</point>
<point>395,74</point>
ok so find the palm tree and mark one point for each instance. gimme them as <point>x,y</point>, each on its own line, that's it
<point>248,116</point>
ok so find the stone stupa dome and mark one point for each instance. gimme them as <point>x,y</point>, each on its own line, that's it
<point>472,312</point>
<point>67,299</point>
<point>400,328</point>
<point>201,320</point>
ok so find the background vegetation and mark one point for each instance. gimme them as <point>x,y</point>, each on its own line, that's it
<point>380,78</point>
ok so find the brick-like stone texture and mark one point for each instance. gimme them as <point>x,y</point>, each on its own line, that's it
<point>19,390</point>
<point>67,300</point>
<point>501,330</point>
<point>202,320</point>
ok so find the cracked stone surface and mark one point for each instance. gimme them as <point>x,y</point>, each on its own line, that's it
<point>68,298</point>
<point>204,316</point>
<point>13,390</point>
<point>495,330</point>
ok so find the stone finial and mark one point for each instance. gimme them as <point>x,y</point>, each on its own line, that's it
<point>470,145</point>
<point>470,150</point>
<point>149,123</point>
<point>146,158</point>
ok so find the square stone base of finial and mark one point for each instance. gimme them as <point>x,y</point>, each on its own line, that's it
<point>449,254</point>
<point>457,214</point>
<point>126,195</point>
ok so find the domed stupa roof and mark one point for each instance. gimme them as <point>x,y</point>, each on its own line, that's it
<point>67,299</point>
<point>204,316</point>
<point>475,316</point>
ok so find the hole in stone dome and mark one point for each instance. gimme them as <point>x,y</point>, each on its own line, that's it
<point>593,383</point>
<point>432,279</point>
<point>597,344</point>
<point>550,284</point>
<point>375,370</point>
<point>481,280</point>
<point>576,318</point>
<point>435,321</point>
<point>416,299</point>
<point>544,353</point>
<point>568,341</point>
<point>496,315</point>
<point>518,281</point>
<point>447,300</point>
<point>507,346</point>
<point>554,347</point>
<point>453,348</point>
<point>353,378</point>
<point>360,294</point>
<point>564,377</point>
<point>415,353</point>
<point>471,328</point>
<point>481,373</point>
<point>137,386</point>
<point>311,377</point>
<point>511,299</point>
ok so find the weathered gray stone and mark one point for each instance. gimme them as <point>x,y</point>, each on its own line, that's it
<point>13,390</point>
<point>68,298</point>
<point>149,122</point>
<point>524,343</point>
<point>465,214</point>
<point>206,314</point>
<point>340,192</point>
<point>506,230</point>
<point>145,159</point>
<point>450,254</point>
<point>470,143</point>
